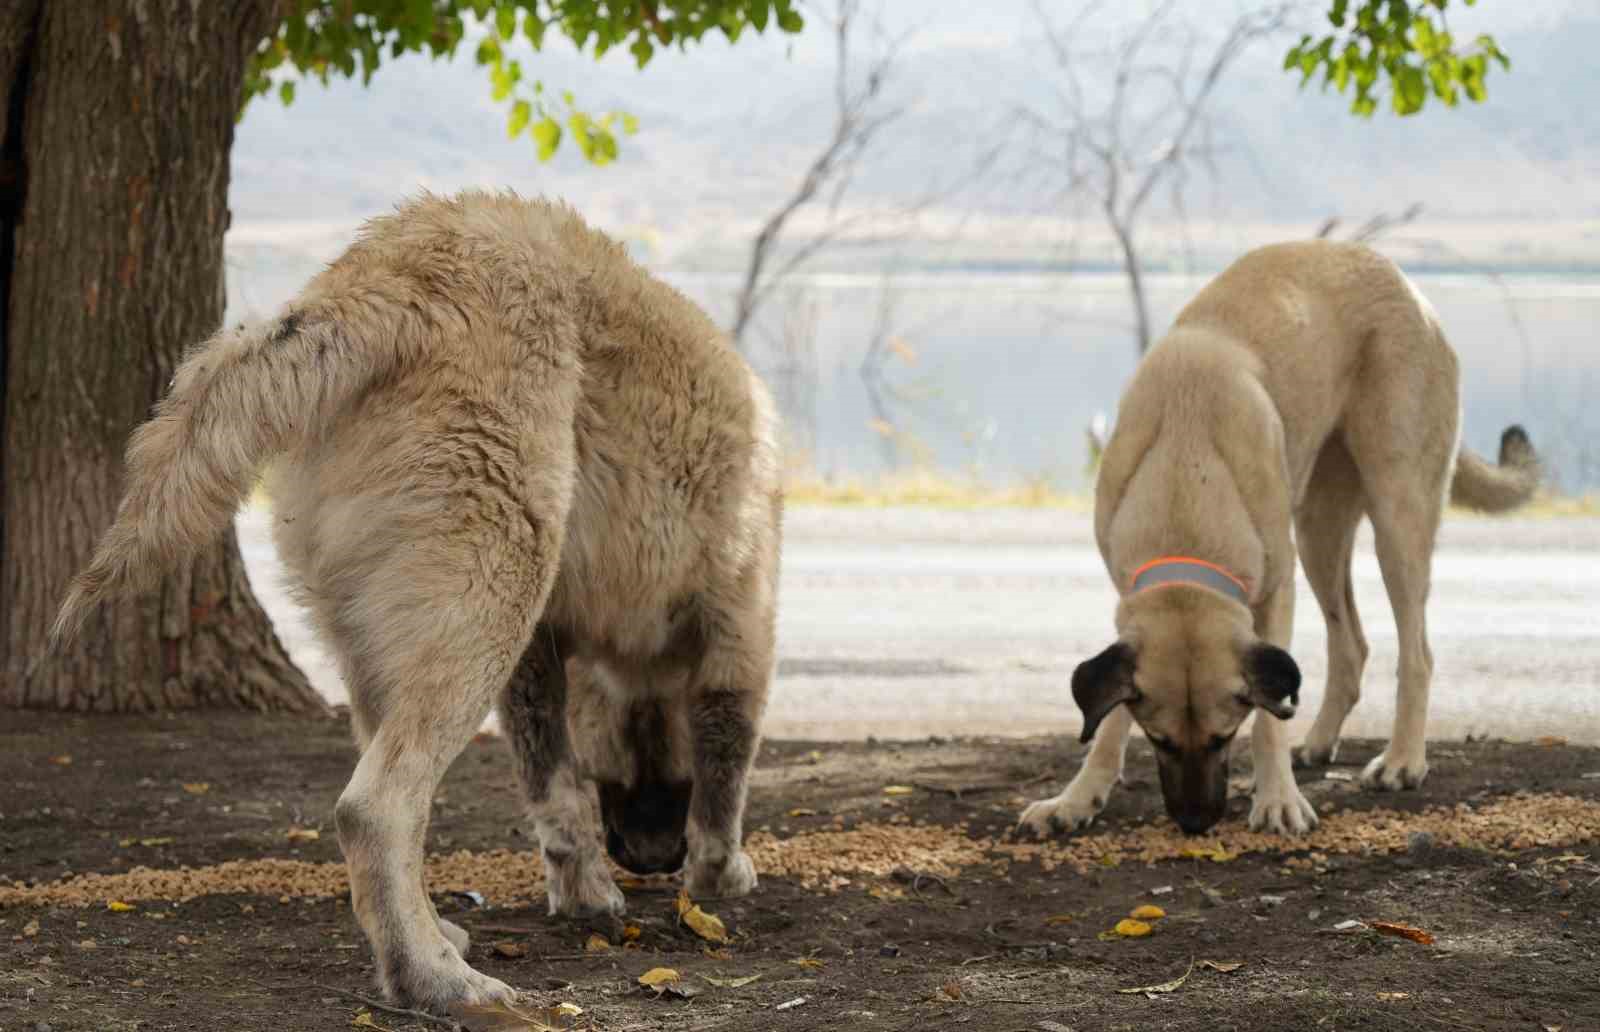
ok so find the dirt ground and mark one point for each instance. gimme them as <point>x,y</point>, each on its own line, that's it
<point>908,909</point>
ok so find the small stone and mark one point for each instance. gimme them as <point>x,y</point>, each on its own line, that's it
<point>1419,842</point>
<point>888,949</point>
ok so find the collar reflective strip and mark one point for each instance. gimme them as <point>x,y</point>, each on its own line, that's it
<point>1178,570</point>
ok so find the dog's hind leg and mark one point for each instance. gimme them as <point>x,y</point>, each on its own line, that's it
<point>533,710</point>
<point>1404,444</point>
<point>1325,530</point>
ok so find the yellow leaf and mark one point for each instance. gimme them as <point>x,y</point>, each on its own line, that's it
<point>1128,928</point>
<point>597,944</point>
<point>30,929</point>
<point>567,1010</point>
<point>898,790</point>
<point>116,906</point>
<point>631,933</point>
<point>1148,912</point>
<point>1164,987</point>
<point>886,892</point>
<point>302,834</point>
<point>801,811</point>
<point>656,978</point>
<point>809,963</point>
<point>197,787</point>
<point>364,1020</point>
<point>508,948</point>
<point>1216,854</point>
<point>708,926</point>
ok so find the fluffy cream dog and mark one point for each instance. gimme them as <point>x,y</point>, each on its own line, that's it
<point>1307,386</point>
<point>496,445</point>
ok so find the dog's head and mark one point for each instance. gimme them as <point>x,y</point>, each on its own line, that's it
<point>1190,669</point>
<point>637,752</point>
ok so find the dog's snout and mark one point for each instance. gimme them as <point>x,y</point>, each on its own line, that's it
<point>645,825</point>
<point>1195,823</point>
<point>654,857</point>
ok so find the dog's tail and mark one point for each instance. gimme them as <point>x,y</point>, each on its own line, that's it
<point>1481,485</point>
<point>236,400</point>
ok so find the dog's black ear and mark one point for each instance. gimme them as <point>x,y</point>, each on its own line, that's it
<point>1101,684</point>
<point>1273,678</point>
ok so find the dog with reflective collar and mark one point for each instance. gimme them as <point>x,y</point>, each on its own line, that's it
<point>1307,386</point>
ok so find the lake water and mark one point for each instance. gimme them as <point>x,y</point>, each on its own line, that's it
<point>999,374</point>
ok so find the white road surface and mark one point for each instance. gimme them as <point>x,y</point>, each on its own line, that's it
<point>904,623</point>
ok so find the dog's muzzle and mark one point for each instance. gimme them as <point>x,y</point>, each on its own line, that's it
<point>645,825</point>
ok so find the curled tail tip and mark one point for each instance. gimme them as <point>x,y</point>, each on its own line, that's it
<point>1516,448</point>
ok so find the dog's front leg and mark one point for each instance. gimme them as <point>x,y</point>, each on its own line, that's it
<point>534,714</point>
<point>1278,805</point>
<point>1085,796</point>
<point>723,722</point>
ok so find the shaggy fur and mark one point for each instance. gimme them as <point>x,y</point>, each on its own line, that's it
<point>1307,386</point>
<point>497,449</point>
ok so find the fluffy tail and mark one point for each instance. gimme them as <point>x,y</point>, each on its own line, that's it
<point>1497,488</point>
<point>238,399</point>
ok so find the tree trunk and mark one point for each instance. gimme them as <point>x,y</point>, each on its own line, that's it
<point>120,114</point>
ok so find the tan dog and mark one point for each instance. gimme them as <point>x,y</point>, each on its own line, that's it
<point>498,446</point>
<point>1306,386</point>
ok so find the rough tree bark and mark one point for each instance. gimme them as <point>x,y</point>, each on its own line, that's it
<point>117,118</point>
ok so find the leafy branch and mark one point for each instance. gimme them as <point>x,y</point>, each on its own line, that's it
<point>325,39</point>
<point>1407,43</point>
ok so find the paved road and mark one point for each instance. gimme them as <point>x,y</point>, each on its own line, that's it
<point>908,623</point>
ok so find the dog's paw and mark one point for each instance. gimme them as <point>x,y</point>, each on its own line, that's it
<point>579,885</point>
<point>456,935</point>
<point>1386,776</point>
<point>723,878</point>
<point>443,983</point>
<point>1070,811</point>
<point>1281,809</point>
<point>1312,754</point>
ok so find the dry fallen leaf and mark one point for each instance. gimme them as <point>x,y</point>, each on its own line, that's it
<point>655,978</point>
<point>631,933</point>
<point>708,926</point>
<point>951,989</point>
<point>802,811</point>
<point>1402,931</point>
<point>116,906</point>
<point>1128,928</point>
<point>30,929</point>
<point>597,943</point>
<point>715,954</point>
<point>809,963</point>
<point>1550,741</point>
<point>886,892</point>
<point>1224,966</point>
<point>730,983</point>
<point>61,761</point>
<point>364,1020</point>
<point>1059,919</point>
<point>1216,854</point>
<point>508,948</point>
<point>1165,987</point>
<point>1148,912</point>
<point>1394,996</point>
<point>499,1017</point>
<point>302,834</point>
<point>197,787</point>
<point>898,790</point>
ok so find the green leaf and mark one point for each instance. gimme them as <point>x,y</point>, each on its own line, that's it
<point>547,134</point>
<point>790,21</point>
<point>505,21</point>
<point>630,124</point>
<point>642,50</point>
<point>286,92</point>
<point>1410,90</point>
<point>521,115</point>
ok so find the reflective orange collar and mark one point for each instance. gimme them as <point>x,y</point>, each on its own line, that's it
<point>1179,569</point>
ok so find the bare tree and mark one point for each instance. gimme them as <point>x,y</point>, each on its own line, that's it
<point>1133,119</point>
<point>862,109</point>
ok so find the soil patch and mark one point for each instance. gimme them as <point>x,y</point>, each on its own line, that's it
<point>908,909</point>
